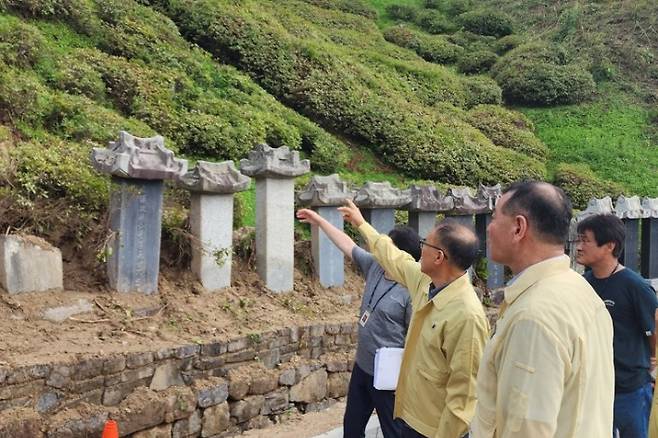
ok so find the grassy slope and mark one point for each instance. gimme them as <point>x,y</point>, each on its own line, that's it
<point>616,134</point>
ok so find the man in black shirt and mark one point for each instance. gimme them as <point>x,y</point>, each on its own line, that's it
<point>632,304</point>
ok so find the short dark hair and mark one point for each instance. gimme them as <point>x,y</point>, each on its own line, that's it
<point>605,228</point>
<point>459,242</point>
<point>407,240</point>
<point>547,208</point>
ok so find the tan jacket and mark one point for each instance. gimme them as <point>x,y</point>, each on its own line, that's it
<point>436,389</point>
<point>548,369</point>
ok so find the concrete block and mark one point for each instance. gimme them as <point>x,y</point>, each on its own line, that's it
<point>328,259</point>
<point>29,264</point>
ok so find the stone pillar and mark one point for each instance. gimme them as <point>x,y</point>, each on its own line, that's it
<point>138,166</point>
<point>649,244</point>
<point>425,203</point>
<point>594,206</point>
<point>629,210</point>
<point>211,219</point>
<point>378,202</point>
<point>275,170</point>
<point>324,194</point>
<point>483,207</point>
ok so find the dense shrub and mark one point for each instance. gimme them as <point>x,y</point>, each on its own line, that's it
<point>357,7</point>
<point>433,22</point>
<point>507,43</point>
<point>581,184</point>
<point>546,84</point>
<point>472,41</point>
<point>372,96</point>
<point>485,22</point>
<point>508,129</point>
<point>539,74</point>
<point>478,61</point>
<point>402,12</point>
<point>431,48</point>
<point>21,45</point>
<point>482,90</point>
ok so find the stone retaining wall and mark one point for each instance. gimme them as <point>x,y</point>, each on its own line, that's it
<point>208,390</point>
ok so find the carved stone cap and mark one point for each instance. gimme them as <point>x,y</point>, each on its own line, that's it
<point>381,195</point>
<point>629,208</point>
<point>597,206</point>
<point>650,207</point>
<point>490,195</point>
<point>325,191</point>
<point>428,198</point>
<point>465,203</point>
<point>141,158</point>
<point>219,178</point>
<point>267,162</point>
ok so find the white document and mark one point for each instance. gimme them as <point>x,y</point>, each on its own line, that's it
<point>387,368</point>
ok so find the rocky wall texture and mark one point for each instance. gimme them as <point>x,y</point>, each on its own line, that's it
<point>201,390</point>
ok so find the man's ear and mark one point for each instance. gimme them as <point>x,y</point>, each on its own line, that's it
<point>521,227</point>
<point>610,246</point>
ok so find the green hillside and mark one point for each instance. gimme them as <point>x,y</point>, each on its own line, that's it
<point>457,92</point>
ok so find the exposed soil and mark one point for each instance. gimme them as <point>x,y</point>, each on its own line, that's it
<point>181,313</point>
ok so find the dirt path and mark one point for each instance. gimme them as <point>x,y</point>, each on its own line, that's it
<point>303,426</point>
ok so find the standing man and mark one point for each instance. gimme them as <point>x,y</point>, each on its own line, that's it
<point>388,310</point>
<point>632,303</point>
<point>435,395</point>
<point>548,370</point>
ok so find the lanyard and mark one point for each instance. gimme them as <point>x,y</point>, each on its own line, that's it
<point>372,309</point>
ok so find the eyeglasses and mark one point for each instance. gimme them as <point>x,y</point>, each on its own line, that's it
<point>423,242</point>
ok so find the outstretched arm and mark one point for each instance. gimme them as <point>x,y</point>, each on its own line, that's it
<point>338,237</point>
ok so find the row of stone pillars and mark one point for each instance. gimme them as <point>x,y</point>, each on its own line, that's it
<point>640,217</point>
<point>139,167</point>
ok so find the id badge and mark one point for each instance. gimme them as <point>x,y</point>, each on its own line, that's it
<point>364,318</point>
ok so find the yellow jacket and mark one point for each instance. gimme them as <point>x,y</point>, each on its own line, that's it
<point>653,420</point>
<point>445,341</point>
<point>547,372</point>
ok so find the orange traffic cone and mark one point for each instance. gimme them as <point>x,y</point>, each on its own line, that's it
<point>111,429</point>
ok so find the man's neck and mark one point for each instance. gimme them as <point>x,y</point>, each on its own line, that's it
<point>605,267</point>
<point>445,277</point>
<point>532,256</point>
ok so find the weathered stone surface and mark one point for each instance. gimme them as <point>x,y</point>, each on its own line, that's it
<point>163,431</point>
<point>337,384</point>
<point>181,403</point>
<point>239,383</point>
<point>62,313</point>
<point>263,381</point>
<point>428,198</point>
<point>142,158</point>
<point>489,195</point>
<point>276,402</point>
<point>20,423</point>
<point>597,206</point>
<point>211,391</point>
<point>248,408</point>
<point>629,208</point>
<point>328,259</point>
<point>336,362</point>
<point>257,423</point>
<point>166,375</point>
<point>650,207</point>
<point>118,391</point>
<point>24,374</point>
<point>267,162</point>
<point>29,264</point>
<point>114,364</point>
<point>187,427</point>
<point>318,406</point>
<point>82,421</point>
<point>381,195</point>
<point>288,377</point>
<point>140,410</point>
<point>217,178</point>
<point>187,351</point>
<point>325,191</point>
<point>214,349</point>
<point>48,401</point>
<point>138,359</point>
<point>312,388</point>
<point>465,202</point>
<point>216,419</point>
<point>28,389</point>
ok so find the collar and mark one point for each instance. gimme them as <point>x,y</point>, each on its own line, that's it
<point>532,274</point>
<point>451,290</point>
